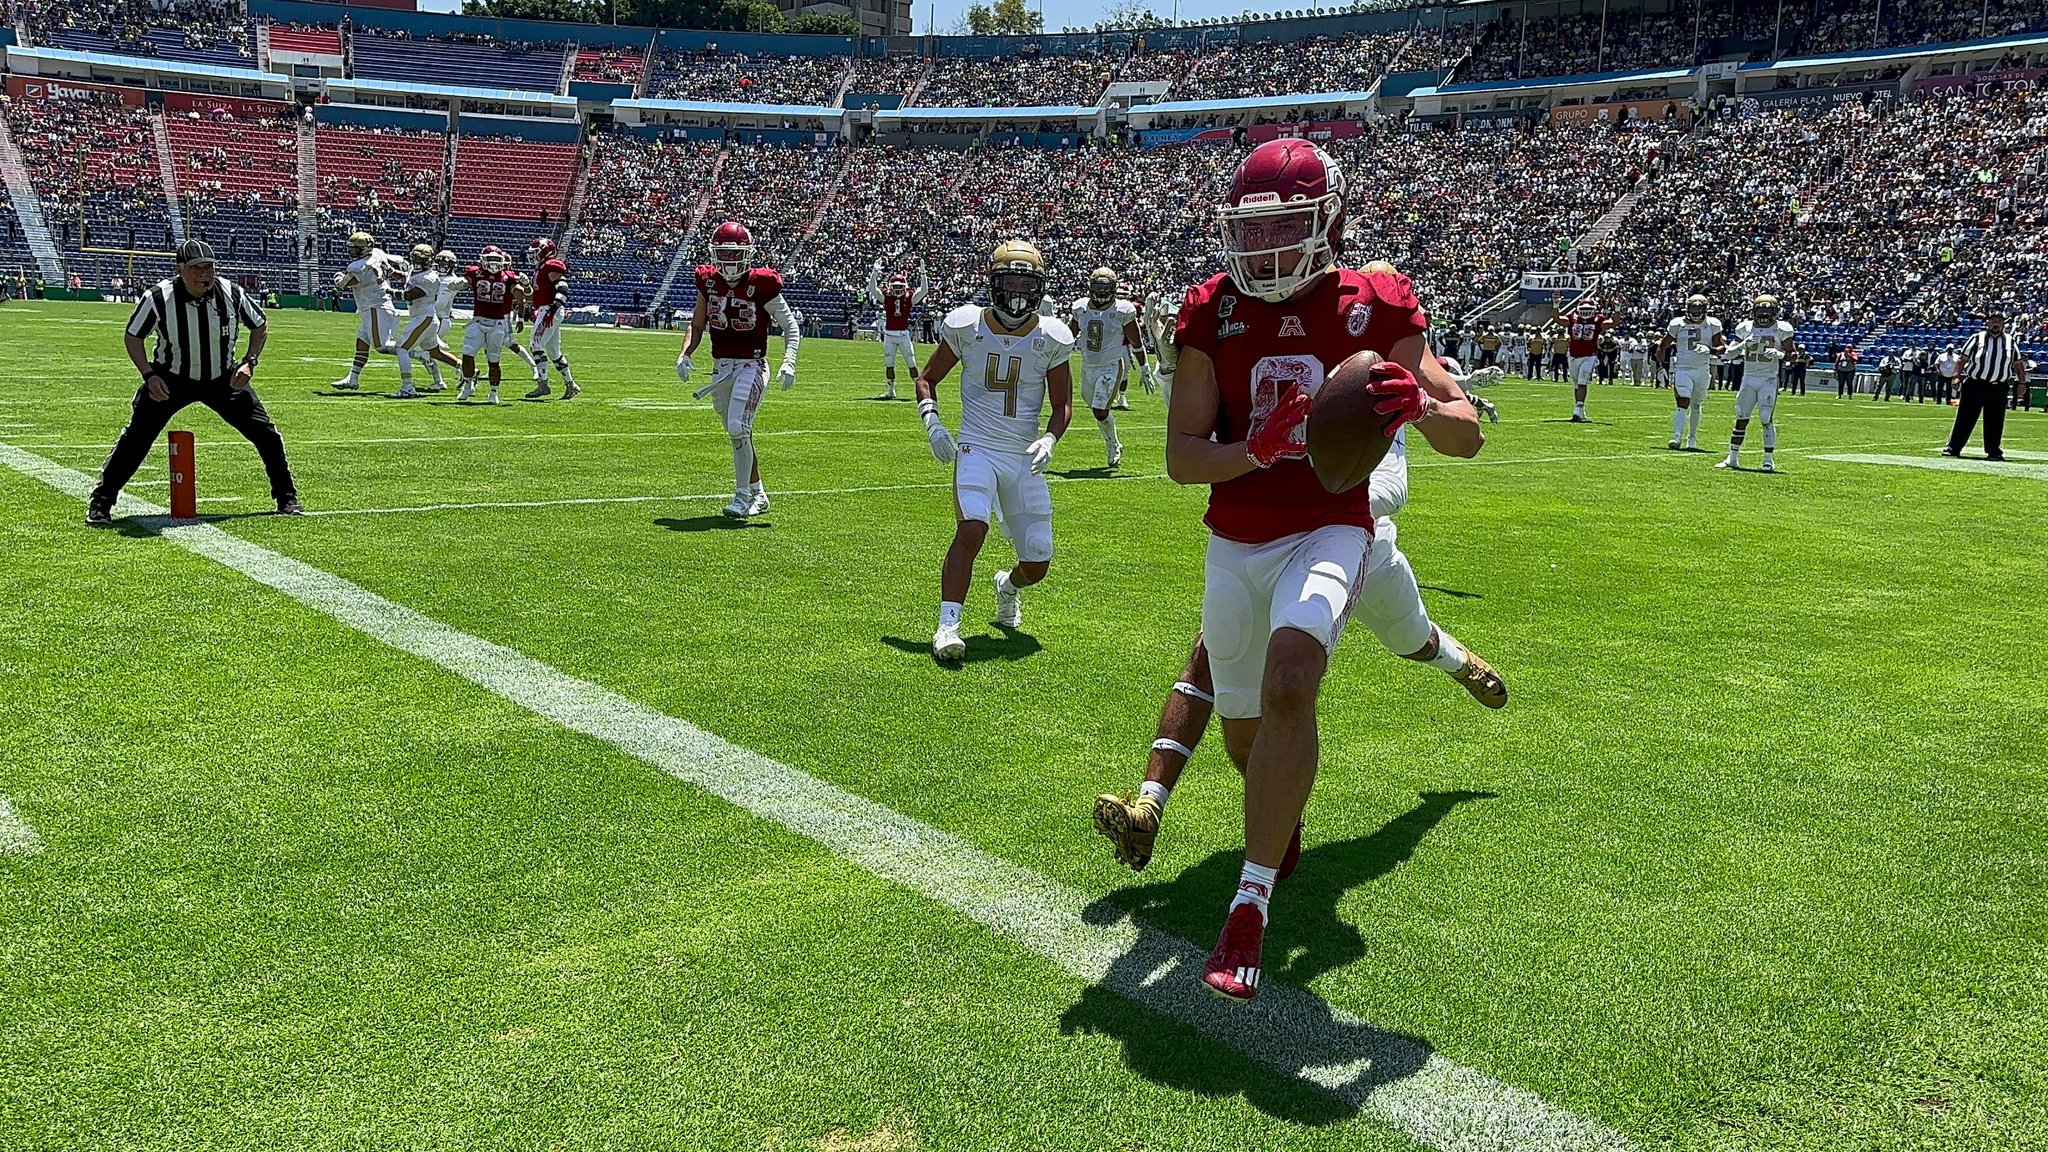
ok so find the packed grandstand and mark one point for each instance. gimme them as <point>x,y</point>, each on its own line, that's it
<point>1880,167</point>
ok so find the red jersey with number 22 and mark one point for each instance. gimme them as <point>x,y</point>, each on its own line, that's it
<point>1265,351</point>
<point>492,291</point>
<point>736,314</point>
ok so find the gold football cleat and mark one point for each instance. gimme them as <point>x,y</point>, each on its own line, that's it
<point>1482,682</point>
<point>1131,826</point>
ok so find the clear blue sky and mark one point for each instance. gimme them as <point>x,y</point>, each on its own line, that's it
<point>1058,13</point>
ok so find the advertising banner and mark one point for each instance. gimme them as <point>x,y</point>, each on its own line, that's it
<point>1313,130</point>
<point>207,105</point>
<point>39,88</point>
<point>1621,111</point>
<point>1979,83</point>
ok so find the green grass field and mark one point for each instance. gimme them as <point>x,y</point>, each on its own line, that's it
<point>1752,860</point>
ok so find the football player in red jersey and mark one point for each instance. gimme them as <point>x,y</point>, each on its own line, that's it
<point>1286,558</point>
<point>494,295</point>
<point>550,296</point>
<point>897,300</point>
<point>1583,332</point>
<point>737,301</point>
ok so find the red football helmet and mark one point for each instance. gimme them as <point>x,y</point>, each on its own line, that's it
<point>1283,225</point>
<point>732,249</point>
<point>492,259</point>
<point>899,285</point>
<point>541,250</point>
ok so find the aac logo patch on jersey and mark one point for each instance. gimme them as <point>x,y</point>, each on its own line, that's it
<point>1358,319</point>
<point>1291,326</point>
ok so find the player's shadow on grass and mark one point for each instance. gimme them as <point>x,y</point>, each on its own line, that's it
<point>142,527</point>
<point>1285,1033</point>
<point>1459,593</point>
<point>349,393</point>
<point>714,523</point>
<point>1568,420</point>
<point>1009,644</point>
<point>1101,472</point>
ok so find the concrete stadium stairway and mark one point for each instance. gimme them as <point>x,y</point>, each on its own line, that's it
<point>28,208</point>
<point>167,168</point>
<point>688,244</point>
<point>309,210</point>
<point>572,216</point>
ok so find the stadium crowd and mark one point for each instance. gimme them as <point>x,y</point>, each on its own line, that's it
<point>200,24</point>
<point>736,77</point>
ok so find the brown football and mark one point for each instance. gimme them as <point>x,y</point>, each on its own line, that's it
<point>1346,438</point>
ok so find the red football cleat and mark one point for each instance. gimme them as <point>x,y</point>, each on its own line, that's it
<point>1233,968</point>
<point>1292,860</point>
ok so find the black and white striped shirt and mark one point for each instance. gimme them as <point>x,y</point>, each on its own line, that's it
<point>1988,357</point>
<point>195,335</point>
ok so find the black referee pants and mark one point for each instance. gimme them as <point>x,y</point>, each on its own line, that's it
<point>1980,397</point>
<point>146,421</point>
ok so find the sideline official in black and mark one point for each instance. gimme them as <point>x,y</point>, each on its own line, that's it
<point>196,320</point>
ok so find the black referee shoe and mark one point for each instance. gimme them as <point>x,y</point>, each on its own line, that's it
<point>98,515</point>
<point>289,506</point>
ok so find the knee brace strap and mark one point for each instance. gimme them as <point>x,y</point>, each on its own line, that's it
<point>1187,689</point>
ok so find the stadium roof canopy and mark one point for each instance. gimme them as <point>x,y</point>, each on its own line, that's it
<point>1300,100</point>
<point>715,108</point>
<point>455,92</point>
<point>1878,55</point>
<point>1033,112</point>
<point>1546,82</point>
<point>132,64</point>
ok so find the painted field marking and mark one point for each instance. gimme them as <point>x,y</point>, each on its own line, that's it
<point>1393,1078</point>
<point>16,837</point>
<point>2027,471</point>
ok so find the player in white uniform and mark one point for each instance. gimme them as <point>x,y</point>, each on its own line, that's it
<point>1013,367</point>
<point>1761,342</point>
<point>896,299</point>
<point>420,336</point>
<point>1698,341</point>
<point>1106,328</point>
<point>368,276</point>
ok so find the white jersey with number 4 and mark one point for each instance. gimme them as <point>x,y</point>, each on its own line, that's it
<point>1100,331</point>
<point>370,279</point>
<point>1002,377</point>
<point>1752,343</point>
<point>1686,333</point>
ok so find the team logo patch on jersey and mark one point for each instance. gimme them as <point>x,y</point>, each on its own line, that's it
<point>1225,307</point>
<point>1226,331</point>
<point>1291,326</point>
<point>1356,321</point>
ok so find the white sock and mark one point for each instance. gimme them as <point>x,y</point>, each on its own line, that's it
<point>405,381</point>
<point>563,368</point>
<point>434,370</point>
<point>1678,423</point>
<point>1450,655</point>
<point>1579,409</point>
<point>1108,425</point>
<point>355,372</point>
<point>1770,438</point>
<point>742,464</point>
<point>949,614</point>
<point>1003,584</point>
<point>756,489</point>
<point>1255,887</point>
<point>1156,792</point>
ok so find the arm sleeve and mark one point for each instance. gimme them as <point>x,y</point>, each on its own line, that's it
<point>875,282</point>
<point>144,320</point>
<point>924,284</point>
<point>785,318</point>
<point>249,308</point>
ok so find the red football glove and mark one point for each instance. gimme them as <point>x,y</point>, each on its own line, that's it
<point>1404,400</point>
<point>1284,435</point>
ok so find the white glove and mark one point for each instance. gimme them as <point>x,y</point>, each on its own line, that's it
<point>683,368</point>
<point>1150,379</point>
<point>788,378</point>
<point>1774,353</point>
<point>1041,452</point>
<point>935,432</point>
<point>1702,350</point>
<point>341,279</point>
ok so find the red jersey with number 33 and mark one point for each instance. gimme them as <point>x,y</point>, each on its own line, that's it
<point>550,274</point>
<point>736,314</point>
<point>492,291</point>
<point>1263,352</point>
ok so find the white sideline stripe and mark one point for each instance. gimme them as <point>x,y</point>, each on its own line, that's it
<point>1393,1078</point>
<point>683,497</point>
<point>2016,454</point>
<point>1949,464</point>
<point>16,837</point>
<point>910,433</point>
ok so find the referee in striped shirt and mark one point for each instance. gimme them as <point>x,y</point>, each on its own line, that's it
<point>1991,364</point>
<point>196,320</point>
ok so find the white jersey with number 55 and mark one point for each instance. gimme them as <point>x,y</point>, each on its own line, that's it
<point>1002,377</point>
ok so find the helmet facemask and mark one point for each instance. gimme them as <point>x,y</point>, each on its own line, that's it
<point>732,260</point>
<point>1274,248</point>
<point>1014,292</point>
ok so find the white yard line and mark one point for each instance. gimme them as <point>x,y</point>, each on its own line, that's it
<point>2027,471</point>
<point>1393,1078</point>
<point>16,837</point>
